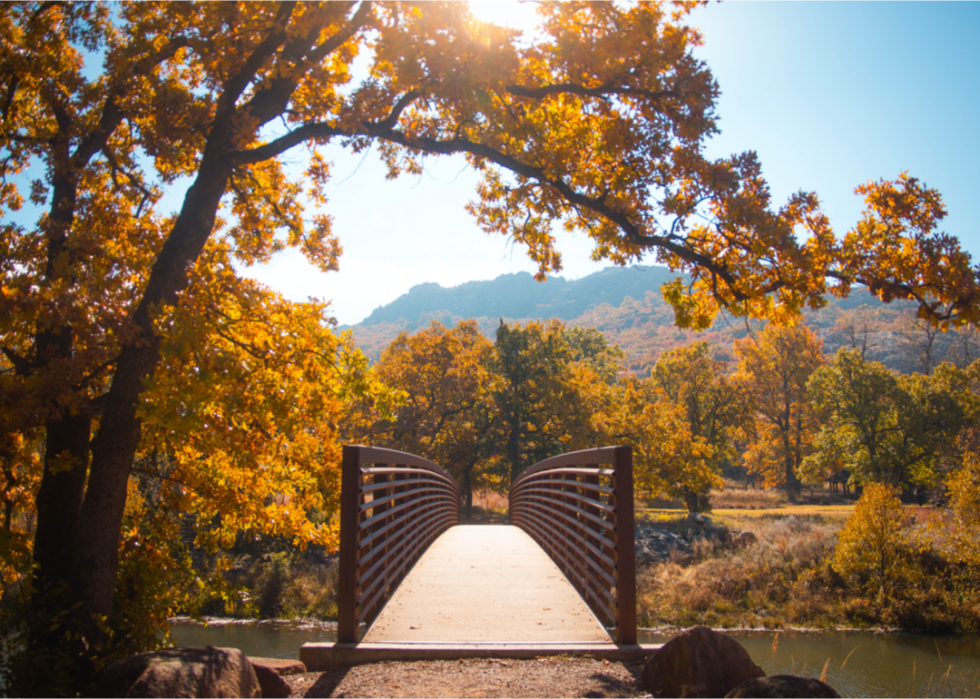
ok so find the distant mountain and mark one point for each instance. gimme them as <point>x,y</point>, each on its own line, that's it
<point>624,303</point>
<point>520,296</point>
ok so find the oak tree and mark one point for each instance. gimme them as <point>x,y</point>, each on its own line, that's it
<point>547,390</point>
<point>597,122</point>
<point>777,365</point>
<point>715,405</point>
<point>667,458</point>
<point>883,427</point>
<point>447,412</point>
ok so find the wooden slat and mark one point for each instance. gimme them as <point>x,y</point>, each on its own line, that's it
<point>561,536</point>
<point>547,475</point>
<point>372,518</point>
<point>529,490</point>
<point>568,502</point>
<point>537,499</point>
<point>399,520</point>
<point>386,525</point>
<point>414,472</point>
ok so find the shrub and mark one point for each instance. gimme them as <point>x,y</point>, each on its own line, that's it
<point>876,544</point>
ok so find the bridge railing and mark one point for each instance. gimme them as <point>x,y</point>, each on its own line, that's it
<point>579,508</point>
<point>392,506</point>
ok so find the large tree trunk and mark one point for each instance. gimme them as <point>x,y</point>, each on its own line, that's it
<point>697,502</point>
<point>514,449</point>
<point>114,447</point>
<point>59,500</point>
<point>468,488</point>
<point>67,430</point>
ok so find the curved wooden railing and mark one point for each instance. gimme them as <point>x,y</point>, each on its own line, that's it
<point>579,508</point>
<point>392,506</point>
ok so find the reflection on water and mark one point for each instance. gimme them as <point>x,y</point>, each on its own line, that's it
<point>859,663</point>
<point>265,639</point>
<point>864,664</point>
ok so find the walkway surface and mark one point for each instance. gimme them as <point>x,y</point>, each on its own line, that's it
<point>485,584</point>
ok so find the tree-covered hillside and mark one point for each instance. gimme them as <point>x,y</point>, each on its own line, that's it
<point>625,304</point>
<point>520,296</point>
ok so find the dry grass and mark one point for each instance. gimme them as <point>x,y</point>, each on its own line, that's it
<point>753,520</point>
<point>732,498</point>
<point>768,584</point>
<point>784,578</point>
<point>489,507</point>
<point>491,501</point>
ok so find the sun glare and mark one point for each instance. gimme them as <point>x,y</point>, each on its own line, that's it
<point>516,14</point>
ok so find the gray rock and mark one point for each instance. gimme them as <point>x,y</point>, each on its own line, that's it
<point>784,686</point>
<point>182,672</point>
<point>698,663</point>
<point>657,545</point>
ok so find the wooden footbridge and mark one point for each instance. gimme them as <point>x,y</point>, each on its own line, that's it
<point>415,584</point>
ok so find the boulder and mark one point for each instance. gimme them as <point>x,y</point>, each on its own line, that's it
<point>282,666</point>
<point>271,684</point>
<point>698,663</point>
<point>784,686</point>
<point>182,672</point>
<point>270,672</point>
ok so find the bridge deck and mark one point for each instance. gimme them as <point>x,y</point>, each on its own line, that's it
<point>485,584</point>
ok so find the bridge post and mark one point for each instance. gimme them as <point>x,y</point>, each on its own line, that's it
<point>625,546</point>
<point>350,485</point>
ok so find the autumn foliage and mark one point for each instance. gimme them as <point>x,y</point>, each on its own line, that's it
<point>129,334</point>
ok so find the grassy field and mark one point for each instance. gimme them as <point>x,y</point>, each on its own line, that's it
<point>750,520</point>
<point>749,509</point>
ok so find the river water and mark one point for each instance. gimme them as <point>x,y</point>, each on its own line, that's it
<point>865,664</point>
<point>858,663</point>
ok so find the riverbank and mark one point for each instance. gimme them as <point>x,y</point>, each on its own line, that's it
<point>774,571</point>
<point>755,562</point>
<point>857,662</point>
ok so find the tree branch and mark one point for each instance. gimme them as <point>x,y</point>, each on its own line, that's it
<point>396,111</point>
<point>235,85</point>
<point>284,143</point>
<point>633,232</point>
<point>22,365</point>
<point>268,103</point>
<point>341,37</point>
<point>573,89</point>
<point>133,180</point>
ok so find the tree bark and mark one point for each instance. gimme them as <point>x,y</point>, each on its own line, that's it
<point>114,447</point>
<point>67,431</point>
<point>468,488</point>
<point>59,500</point>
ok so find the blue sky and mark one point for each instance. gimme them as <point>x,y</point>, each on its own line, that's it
<point>830,95</point>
